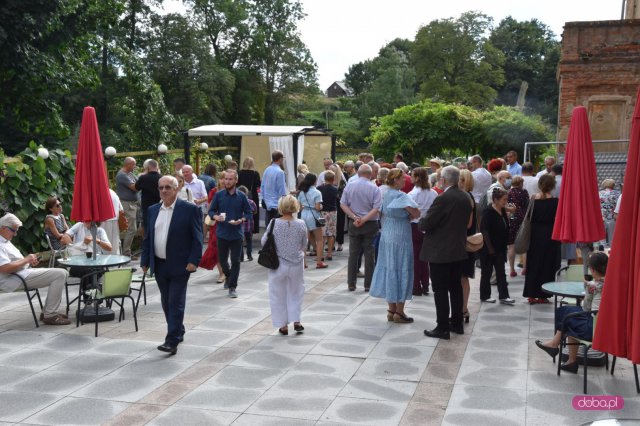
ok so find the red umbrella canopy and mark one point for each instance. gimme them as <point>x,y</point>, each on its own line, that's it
<point>91,197</point>
<point>618,329</point>
<point>579,218</point>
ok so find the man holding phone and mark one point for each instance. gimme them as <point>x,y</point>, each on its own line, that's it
<point>13,262</point>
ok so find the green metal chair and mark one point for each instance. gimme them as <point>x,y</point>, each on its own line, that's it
<point>30,296</point>
<point>115,287</point>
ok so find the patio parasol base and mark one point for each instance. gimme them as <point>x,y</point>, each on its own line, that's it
<point>88,314</point>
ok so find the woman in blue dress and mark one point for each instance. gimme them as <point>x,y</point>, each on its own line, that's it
<point>393,276</point>
<point>311,201</point>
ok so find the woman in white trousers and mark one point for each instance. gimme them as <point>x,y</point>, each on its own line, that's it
<point>286,284</point>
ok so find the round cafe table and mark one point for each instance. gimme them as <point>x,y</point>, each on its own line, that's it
<point>88,264</point>
<point>564,289</point>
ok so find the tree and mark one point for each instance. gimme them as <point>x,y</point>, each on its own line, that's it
<point>456,63</point>
<point>531,54</point>
<point>360,77</point>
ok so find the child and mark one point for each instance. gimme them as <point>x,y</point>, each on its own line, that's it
<point>247,226</point>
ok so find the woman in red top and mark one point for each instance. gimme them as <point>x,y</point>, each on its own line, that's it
<point>210,256</point>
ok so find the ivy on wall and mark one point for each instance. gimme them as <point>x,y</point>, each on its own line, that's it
<point>27,182</point>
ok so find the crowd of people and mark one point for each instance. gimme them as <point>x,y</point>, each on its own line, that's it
<point>407,228</point>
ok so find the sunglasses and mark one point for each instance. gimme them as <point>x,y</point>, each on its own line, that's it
<point>166,187</point>
<point>15,231</point>
<point>58,205</point>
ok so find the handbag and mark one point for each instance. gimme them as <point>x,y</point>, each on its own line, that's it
<point>123,223</point>
<point>268,256</point>
<point>320,221</point>
<point>474,242</point>
<point>523,237</point>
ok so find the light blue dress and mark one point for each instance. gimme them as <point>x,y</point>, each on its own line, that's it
<point>308,200</point>
<point>393,276</point>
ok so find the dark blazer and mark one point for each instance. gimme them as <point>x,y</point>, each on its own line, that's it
<point>446,227</point>
<point>184,241</point>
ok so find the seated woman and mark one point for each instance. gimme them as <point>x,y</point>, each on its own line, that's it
<point>579,326</point>
<point>55,225</point>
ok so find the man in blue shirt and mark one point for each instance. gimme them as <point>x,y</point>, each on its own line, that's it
<point>513,167</point>
<point>230,208</point>
<point>273,186</point>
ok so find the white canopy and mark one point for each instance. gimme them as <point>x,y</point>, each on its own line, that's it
<point>242,130</point>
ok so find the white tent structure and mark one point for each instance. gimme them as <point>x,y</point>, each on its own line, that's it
<point>259,141</point>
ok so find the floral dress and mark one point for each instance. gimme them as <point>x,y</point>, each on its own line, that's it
<point>519,197</point>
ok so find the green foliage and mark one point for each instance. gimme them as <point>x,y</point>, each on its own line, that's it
<point>455,62</point>
<point>28,183</point>
<point>427,129</point>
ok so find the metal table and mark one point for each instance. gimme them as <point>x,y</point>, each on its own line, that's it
<point>564,289</point>
<point>101,262</point>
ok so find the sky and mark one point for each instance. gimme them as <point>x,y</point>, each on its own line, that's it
<point>340,33</point>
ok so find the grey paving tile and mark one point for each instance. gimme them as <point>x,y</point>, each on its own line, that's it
<point>221,399</point>
<point>193,417</point>
<point>78,411</point>
<point>418,414</point>
<point>342,367</point>
<point>300,344</point>
<point>72,343</point>
<point>9,376</point>
<point>485,405</point>
<point>408,336</point>
<point>236,313</point>
<point>352,348</point>
<point>492,376</point>
<point>307,384</point>
<point>132,348</point>
<point>18,406</point>
<point>496,359</point>
<point>254,419</point>
<point>34,358</point>
<point>354,334</point>
<point>379,389</point>
<point>244,378</point>
<point>208,338</point>
<point>186,353</point>
<point>402,352</point>
<point>54,382</point>
<point>15,338</point>
<point>125,389</point>
<point>152,368</point>
<point>268,359</point>
<point>90,363</point>
<point>506,344</point>
<point>549,381</point>
<point>362,411</point>
<point>391,369</point>
<point>226,325</point>
<point>289,404</point>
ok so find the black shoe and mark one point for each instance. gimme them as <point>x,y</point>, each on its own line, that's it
<point>571,368</point>
<point>168,348</point>
<point>366,289</point>
<point>425,292</point>
<point>553,352</point>
<point>249,258</point>
<point>298,328</point>
<point>352,288</point>
<point>437,333</point>
<point>458,329</point>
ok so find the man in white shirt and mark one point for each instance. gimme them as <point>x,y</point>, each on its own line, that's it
<point>327,162</point>
<point>481,178</point>
<point>530,181</point>
<point>111,226</point>
<point>12,262</point>
<point>549,161</point>
<point>82,240</point>
<point>197,188</point>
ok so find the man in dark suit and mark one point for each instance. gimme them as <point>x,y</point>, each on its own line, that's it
<point>446,226</point>
<point>172,248</point>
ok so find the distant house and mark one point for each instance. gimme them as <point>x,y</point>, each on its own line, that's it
<point>339,90</point>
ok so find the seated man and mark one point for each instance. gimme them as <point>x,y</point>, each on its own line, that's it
<point>81,241</point>
<point>11,261</point>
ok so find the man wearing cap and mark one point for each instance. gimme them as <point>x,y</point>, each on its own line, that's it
<point>12,262</point>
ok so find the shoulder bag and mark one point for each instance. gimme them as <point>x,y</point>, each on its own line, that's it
<point>123,223</point>
<point>476,241</point>
<point>268,256</point>
<point>523,237</point>
<point>320,221</point>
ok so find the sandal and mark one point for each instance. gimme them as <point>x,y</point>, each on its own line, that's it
<point>298,327</point>
<point>321,265</point>
<point>390,315</point>
<point>56,320</point>
<point>339,247</point>
<point>221,279</point>
<point>284,330</point>
<point>401,318</point>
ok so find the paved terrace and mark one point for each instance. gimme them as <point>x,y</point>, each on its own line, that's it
<point>350,366</point>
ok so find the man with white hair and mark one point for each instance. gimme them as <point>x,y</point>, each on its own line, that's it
<point>361,202</point>
<point>549,161</point>
<point>481,178</point>
<point>349,169</point>
<point>197,188</point>
<point>445,227</point>
<point>12,262</point>
<point>408,183</point>
<point>327,162</point>
<point>375,167</point>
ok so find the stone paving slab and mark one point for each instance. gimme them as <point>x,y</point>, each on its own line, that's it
<point>350,366</point>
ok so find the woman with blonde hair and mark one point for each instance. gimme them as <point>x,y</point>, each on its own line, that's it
<point>303,170</point>
<point>393,274</point>
<point>250,178</point>
<point>466,183</point>
<point>286,284</point>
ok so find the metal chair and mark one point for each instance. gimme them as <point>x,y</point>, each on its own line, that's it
<point>30,296</point>
<point>635,372</point>
<point>54,254</point>
<point>571,273</point>
<point>142,289</point>
<point>116,285</point>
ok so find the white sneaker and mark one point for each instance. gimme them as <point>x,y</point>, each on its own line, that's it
<point>489,300</point>
<point>507,301</point>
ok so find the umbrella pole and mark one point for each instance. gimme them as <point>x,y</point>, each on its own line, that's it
<point>94,233</point>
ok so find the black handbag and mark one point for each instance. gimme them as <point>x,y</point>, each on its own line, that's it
<point>268,256</point>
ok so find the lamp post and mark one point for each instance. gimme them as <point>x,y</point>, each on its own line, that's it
<point>43,152</point>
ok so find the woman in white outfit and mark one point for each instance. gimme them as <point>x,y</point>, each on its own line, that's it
<point>286,284</point>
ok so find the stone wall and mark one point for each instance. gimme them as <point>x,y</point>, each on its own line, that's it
<point>600,69</point>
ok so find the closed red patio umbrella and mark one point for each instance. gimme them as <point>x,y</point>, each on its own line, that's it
<point>618,328</point>
<point>91,197</point>
<point>579,218</point>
